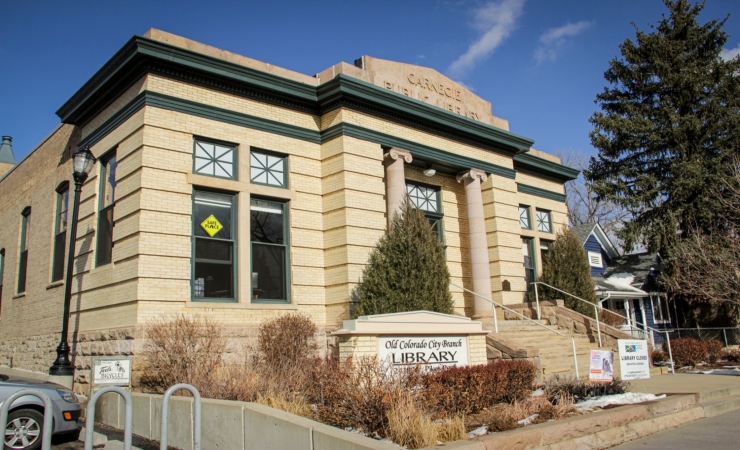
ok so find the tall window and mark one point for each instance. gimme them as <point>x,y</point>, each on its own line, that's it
<point>23,257</point>
<point>266,168</point>
<point>217,160</point>
<point>60,233</point>
<point>108,167</point>
<point>529,262</point>
<point>214,236</point>
<point>660,308</point>
<point>545,249</point>
<point>269,235</point>
<point>524,217</point>
<point>426,198</point>
<point>544,223</point>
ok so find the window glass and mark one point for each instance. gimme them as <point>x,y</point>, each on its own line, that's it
<point>269,250</point>
<point>545,249</point>
<point>267,169</point>
<point>424,198</point>
<point>60,235</point>
<point>23,257</point>
<point>660,309</point>
<point>543,221</point>
<point>104,232</point>
<point>524,217</point>
<point>214,159</point>
<point>214,236</point>
<point>529,263</point>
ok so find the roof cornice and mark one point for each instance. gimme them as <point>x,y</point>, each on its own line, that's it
<point>542,166</point>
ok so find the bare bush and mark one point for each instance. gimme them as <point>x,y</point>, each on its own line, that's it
<point>559,388</point>
<point>287,341</point>
<point>182,349</point>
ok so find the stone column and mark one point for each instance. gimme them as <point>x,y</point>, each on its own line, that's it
<point>395,180</point>
<point>479,263</point>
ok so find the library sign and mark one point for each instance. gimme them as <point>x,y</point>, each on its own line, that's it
<point>415,337</point>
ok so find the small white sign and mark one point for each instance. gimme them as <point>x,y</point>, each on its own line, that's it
<point>602,366</point>
<point>435,351</point>
<point>112,371</point>
<point>633,359</point>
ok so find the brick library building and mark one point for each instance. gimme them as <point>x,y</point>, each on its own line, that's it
<point>230,188</point>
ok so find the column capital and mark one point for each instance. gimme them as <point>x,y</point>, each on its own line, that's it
<point>472,174</point>
<point>396,153</point>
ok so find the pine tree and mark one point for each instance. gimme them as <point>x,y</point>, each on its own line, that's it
<point>407,270</point>
<point>566,267</point>
<point>668,129</point>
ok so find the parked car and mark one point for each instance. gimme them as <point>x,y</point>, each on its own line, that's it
<point>24,429</point>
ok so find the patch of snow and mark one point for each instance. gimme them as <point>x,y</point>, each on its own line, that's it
<point>623,280</point>
<point>527,420</point>
<point>732,371</point>
<point>480,431</point>
<point>627,398</point>
<point>538,392</point>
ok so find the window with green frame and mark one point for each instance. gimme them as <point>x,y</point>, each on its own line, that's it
<point>214,159</point>
<point>426,198</point>
<point>214,246</point>
<point>108,166</point>
<point>530,266</point>
<point>544,222</point>
<point>60,232</point>
<point>524,217</point>
<point>270,251</point>
<point>23,255</point>
<point>268,168</point>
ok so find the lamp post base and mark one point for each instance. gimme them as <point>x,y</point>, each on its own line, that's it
<point>62,366</point>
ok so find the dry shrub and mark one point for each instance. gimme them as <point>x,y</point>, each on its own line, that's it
<point>504,416</point>
<point>561,389</point>
<point>287,341</point>
<point>288,402</point>
<point>714,351</point>
<point>732,354</point>
<point>687,351</point>
<point>451,429</point>
<point>612,319</point>
<point>658,356</point>
<point>182,349</point>
<point>470,389</point>
<point>408,426</point>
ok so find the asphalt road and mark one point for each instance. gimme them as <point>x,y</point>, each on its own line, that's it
<point>720,432</point>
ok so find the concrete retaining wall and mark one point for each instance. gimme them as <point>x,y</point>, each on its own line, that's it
<point>229,425</point>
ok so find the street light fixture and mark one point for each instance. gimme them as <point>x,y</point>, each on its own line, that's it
<point>82,163</point>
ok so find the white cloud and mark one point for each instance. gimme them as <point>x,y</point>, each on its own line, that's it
<point>496,21</point>
<point>728,54</point>
<point>553,40</point>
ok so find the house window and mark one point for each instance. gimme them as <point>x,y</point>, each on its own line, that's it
<point>214,241</point>
<point>426,198</point>
<point>544,223</point>
<point>60,233</point>
<point>529,262</point>
<point>266,168</point>
<point>545,249</point>
<point>108,167</point>
<point>660,309</point>
<point>594,259</point>
<point>23,257</point>
<point>524,217</point>
<point>216,160</point>
<point>270,256</point>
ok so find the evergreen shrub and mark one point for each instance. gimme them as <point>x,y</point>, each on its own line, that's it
<point>407,270</point>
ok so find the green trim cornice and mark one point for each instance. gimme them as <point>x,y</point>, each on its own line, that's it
<point>544,167</point>
<point>430,154</point>
<point>142,55</point>
<point>539,192</point>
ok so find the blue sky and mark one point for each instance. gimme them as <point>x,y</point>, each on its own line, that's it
<point>540,63</point>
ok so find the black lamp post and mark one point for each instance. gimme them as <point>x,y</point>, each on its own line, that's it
<point>82,163</point>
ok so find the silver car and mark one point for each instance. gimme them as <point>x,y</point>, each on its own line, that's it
<point>26,416</point>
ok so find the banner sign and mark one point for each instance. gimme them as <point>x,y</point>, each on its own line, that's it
<point>634,361</point>
<point>602,366</point>
<point>112,371</point>
<point>436,351</point>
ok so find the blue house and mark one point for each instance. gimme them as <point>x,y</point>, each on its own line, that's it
<point>628,284</point>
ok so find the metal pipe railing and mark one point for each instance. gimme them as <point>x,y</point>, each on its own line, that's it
<point>596,318</point>
<point>197,415</point>
<point>596,311</point>
<point>128,418</point>
<point>572,339</point>
<point>48,416</point>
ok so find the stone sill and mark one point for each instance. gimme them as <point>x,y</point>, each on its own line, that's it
<point>224,305</point>
<point>54,285</point>
<point>21,295</point>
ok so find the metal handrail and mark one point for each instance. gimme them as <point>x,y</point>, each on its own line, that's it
<point>197,415</point>
<point>596,318</point>
<point>495,322</point>
<point>128,418</point>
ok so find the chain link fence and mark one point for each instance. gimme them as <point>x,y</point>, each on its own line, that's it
<point>727,336</point>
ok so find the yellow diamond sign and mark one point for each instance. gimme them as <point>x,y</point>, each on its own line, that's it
<point>211,225</point>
